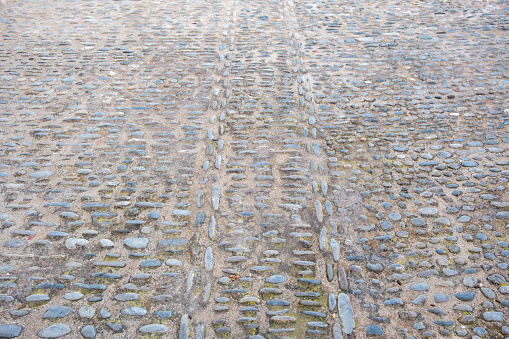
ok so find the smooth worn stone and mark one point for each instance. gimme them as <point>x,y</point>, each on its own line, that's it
<point>332,302</point>
<point>440,298</point>
<point>216,197</point>
<point>54,331</point>
<point>345,311</point>
<point>153,328</point>
<point>336,331</point>
<point>86,312</point>
<point>173,262</point>
<point>343,280</point>
<point>209,259</point>
<point>105,314</point>
<point>470,281</point>
<point>419,300</point>
<point>504,215</point>
<point>319,210</point>
<point>480,331</point>
<point>335,249</point>
<point>493,316</point>
<point>15,243</point>
<point>428,211</point>
<point>127,296</point>
<point>496,279</point>
<point>467,319</point>
<point>10,331</point>
<point>164,314</point>
<point>465,296</point>
<point>469,164</point>
<point>323,239</point>
<point>42,174</point>
<point>151,263</point>
<point>19,313</point>
<point>88,331</point>
<point>374,330</point>
<point>276,279</point>
<point>73,243</point>
<point>37,298</point>
<point>116,327</point>
<point>136,243</point>
<point>57,312</point>
<point>184,327</point>
<point>488,293</point>
<point>421,286</point>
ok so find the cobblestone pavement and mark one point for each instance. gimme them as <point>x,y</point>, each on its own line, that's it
<point>254,169</point>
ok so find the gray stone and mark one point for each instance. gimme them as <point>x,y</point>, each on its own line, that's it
<point>88,331</point>
<point>216,197</point>
<point>488,293</point>
<point>345,311</point>
<point>332,302</point>
<point>336,331</point>
<point>493,316</point>
<point>127,297</point>
<point>86,312</point>
<point>209,259</point>
<point>504,215</point>
<point>57,312</point>
<point>276,279</point>
<point>42,174</point>
<point>374,330</point>
<point>420,286</point>
<point>136,243</point>
<point>55,331</point>
<point>335,249</point>
<point>184,327</point>
<point>154,328</point>
<point>10,331</point>
<point>15,243</point>
<point>33,298</point>
<point>440,298</point>
<point>465,296</point>
<point>428,211</point>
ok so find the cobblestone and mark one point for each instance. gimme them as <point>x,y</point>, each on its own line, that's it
<point>240,169</point>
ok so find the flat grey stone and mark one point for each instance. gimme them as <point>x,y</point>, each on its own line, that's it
<point>42,174</point>
<point>154,328</point>
<point>332,302</point>
<point>427,211</point>
<point>503,215</point>
<point>134,311</point>
<point>10,331</point>
<point>127,296</point>
<point>493,316</point>
<point>184,327</point>
<point>86,312</point>
<point>440,298</point>
<point>209,259</point>
<point>336,331</point>
<point>345,311</point>
<point>55,331</point>
<point>136,243</point>
<point>374,330</point>
<point>420,286</point>
<point>57,312</point>
<point>37,298</point>
<point>88,331</point>
<point>465,296</point>
<point>276,279</point>
<point>15,243</point>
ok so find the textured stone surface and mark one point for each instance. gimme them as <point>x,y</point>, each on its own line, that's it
<point>254,169</point>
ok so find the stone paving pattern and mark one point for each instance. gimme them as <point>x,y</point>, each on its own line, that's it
<point>254,169</point>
